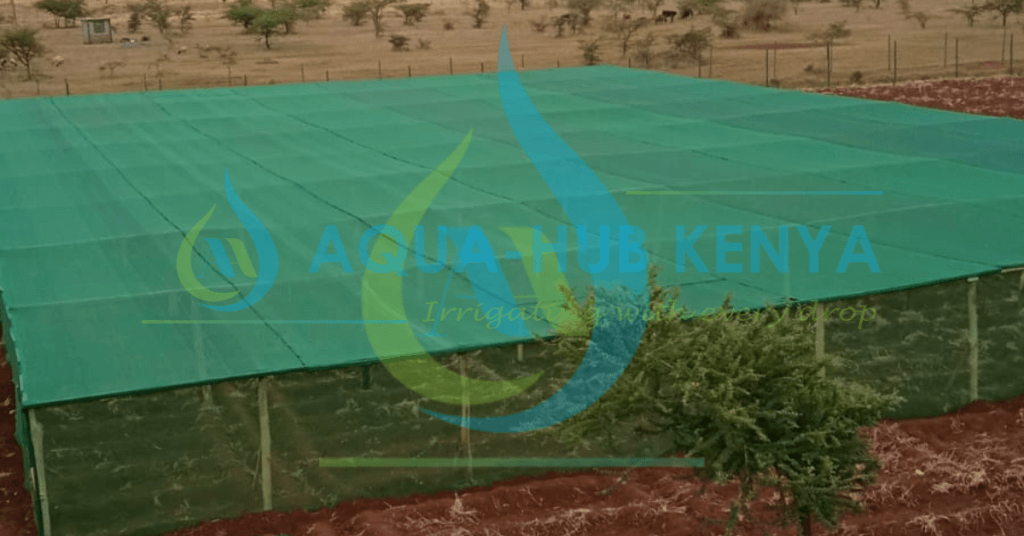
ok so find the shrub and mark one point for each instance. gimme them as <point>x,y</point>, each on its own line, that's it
<point>748,395</point>
<point>399,42</point>
<point>857,77</point>
<point>424,44</point>
<point>762,14</point>
<point>539,25</point>
<point>356,12</point>
<point>590,51</point>
<point>479,13</point>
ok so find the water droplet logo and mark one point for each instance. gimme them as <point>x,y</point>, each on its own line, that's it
<point>266,255</point>
<point>587,202</point>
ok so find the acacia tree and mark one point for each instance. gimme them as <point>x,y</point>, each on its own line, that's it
<point>243,12</point>
<point>356,12</point>
<point>268,23</point>
<point>762,14</point>
<point>479,13</point>
<point>651,5</point>
<point>835,30</point>
<point>624,30</point>
<point>23,45</point>
<point>746,394</point>
<point>414,13</point>
<point>62,10</point>
<point>376,13</point>
<point>1004,7</point>
<point>584,8</point>
<point>969,12</point>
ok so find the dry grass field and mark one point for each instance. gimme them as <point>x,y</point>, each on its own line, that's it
<point>332,47</point>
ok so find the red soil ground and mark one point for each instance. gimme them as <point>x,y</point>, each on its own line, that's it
<point>957,474</point>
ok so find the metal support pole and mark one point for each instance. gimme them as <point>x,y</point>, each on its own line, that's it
<point>956,55</point>
<point>895,57</point>
<point>302,71</point>
<point>265,481</point>
<point>766,82</point>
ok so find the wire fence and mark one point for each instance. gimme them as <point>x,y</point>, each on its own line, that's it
<point>773,64</point>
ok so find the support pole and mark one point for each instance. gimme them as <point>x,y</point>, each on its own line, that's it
<point>481,66</point>
<point>766,82</point>
<point>245,80</point>
<point>895,56</point>
<point>519,353</point>
<point>67,88</point>
<point>819,332</point>
<point>467,448</point>
<point>451,68</point>
<point>972,334</point>
<point>828,65</point>
<point>145,83</point>
<point>711,59</point>
<point>265,482</point>
<point>37,87</point>
<point>558,63</point>
<point>302,71</point>
<point>888,54</point>
<point>410,71</point>
<point>1011,54</point>
<point>775,62</point>
<point>160,83</point>
<point>629,62</point>
<point>956,53</point>
<point>327,75</point>
<point>1002,51</point>
<point>229,76</point>
<point>380,71</point>
<point>36,431</point>
<point>522,61</point>
<point>945,49</point>
<point>14,14</point>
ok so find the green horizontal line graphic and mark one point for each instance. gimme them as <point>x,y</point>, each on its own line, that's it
<point>794,192</point>
<point>274,321</point>
<point>512,462</point>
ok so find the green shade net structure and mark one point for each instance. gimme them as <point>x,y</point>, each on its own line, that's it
<point>98,192</point>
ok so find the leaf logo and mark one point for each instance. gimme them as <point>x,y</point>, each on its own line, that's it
<point>266,255</point>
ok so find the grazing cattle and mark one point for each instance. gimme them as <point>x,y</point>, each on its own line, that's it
<point>669,15</point>
<point>687,13</point>
<point>182,50</point>
<point>57,61</point>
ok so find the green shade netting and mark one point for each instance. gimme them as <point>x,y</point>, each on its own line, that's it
<point>97,193</point>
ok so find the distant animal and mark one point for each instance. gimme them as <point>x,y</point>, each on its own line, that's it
<point>145,38</point>
<point>625,17</point>
<point>8,63</point>
<point>182,50</point>
<point>659,18</point>
<point>57,61</point>
<point>687,13</point>
<point>670,15</point>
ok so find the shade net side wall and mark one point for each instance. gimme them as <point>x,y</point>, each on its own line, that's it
<point>146,464</point>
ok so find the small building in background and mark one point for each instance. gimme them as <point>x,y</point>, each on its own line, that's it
<point>96,31</point>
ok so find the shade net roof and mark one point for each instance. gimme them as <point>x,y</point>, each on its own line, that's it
<point>98,192</point>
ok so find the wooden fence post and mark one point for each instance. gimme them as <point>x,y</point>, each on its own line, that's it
<point>327,75</point>
<point>766,82</point>
<point>522,61</point>
<point>945,49</point>
<point>380,72</point>
<point>711,59</point>
<point>451,68</point>
<point>888,54</point>
<point>265,481</point>
<point>828,65</point>
<point>819,332</point>
<point>36,435</point>
<point>410,71</point>
<point>629,62</point>
<point>37,87</point>
<point>245,80</point>
<point>558,63</point>
<point>67,88</point>
<point>467,446</point>
<point>1002,51</point>
<point>302,71</point>
<point>775,62</point>
<point>972,334</point>
<point>895,57</point>
<point>145,83</point>
<point>481,66</point>
<point>956,56</point>
<point>1011,54</point>
<point>160,83</point>
<point>229,75</point>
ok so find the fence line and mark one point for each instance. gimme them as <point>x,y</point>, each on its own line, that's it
<point>771,66</point>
